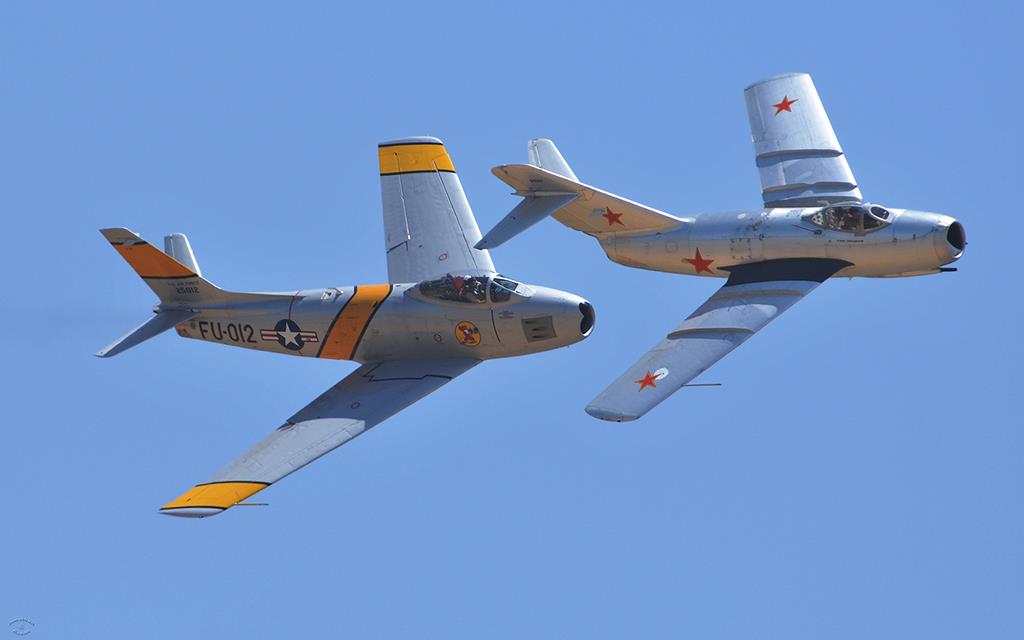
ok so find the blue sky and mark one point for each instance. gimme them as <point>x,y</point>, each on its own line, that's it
<point>858,475</point>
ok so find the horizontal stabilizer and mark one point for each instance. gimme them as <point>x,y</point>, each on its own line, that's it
<point>154,326</point>
<point>527,213</point>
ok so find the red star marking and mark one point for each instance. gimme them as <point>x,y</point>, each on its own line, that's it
<point>699,262</point>
<point>611,217</point>
<point>647,381</point>
<point>784,105</point>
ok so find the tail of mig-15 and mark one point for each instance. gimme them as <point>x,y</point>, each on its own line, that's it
<point>174,277</point>
<point>549,187</point>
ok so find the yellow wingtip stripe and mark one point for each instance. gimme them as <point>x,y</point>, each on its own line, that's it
<point>219,495</point>
<point>414,158</point>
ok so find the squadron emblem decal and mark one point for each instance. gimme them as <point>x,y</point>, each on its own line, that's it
<point>289,335</point>
<point>467,334</point>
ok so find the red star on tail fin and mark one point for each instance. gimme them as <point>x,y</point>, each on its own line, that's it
<point>612,217</point>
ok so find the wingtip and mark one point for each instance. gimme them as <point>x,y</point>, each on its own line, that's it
<point>609,415</point>
<point>191,512</point>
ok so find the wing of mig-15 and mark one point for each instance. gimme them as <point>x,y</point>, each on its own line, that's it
<point>443,311</point>
<point>814,225</point>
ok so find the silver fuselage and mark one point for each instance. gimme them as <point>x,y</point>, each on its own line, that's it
<point>382,322</point>
<point>911,243</point>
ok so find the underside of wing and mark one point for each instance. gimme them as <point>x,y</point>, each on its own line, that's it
<point>366,397</point>
<point>798,155</point>
<point>754,295</point>
<point>429,228</point>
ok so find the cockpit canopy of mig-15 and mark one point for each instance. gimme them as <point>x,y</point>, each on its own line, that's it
<point>851,217</point>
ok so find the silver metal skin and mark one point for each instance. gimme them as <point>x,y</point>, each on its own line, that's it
<point>814,225</point>
<point>405,325</point>
<point>444,311</point>
<point>913,243</point>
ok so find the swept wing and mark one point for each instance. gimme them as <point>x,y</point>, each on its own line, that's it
<point>798,155</point>
<point>429,228</point>
<point>754,295</point>
<point>366,397</point>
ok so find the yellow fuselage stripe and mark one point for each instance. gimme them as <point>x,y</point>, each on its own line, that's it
<point>150,262</point>
<point>414,158</point>
<point>218,495</point>
<point>343,339</point>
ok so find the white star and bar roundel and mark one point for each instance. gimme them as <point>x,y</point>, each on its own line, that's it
<point>288,334</point>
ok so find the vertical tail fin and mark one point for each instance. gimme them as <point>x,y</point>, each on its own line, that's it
<point>175,280</point>
<point>177,246</point>
<point>542,152</point>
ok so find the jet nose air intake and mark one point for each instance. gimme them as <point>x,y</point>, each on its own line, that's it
<point>587,323</point>
<point>950,240</point>
<point>956,236</point>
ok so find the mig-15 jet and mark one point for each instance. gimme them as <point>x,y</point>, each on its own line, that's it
<point>444,311</point>
<point>814,225</point>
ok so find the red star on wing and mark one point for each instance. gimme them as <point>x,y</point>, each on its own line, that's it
<point>611,217</point>
<point>647,381</point>
<point>699,262</point>
<point>784,105</point>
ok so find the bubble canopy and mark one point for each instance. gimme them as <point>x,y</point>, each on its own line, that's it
<point>850,217</point>
<point>467,288</point>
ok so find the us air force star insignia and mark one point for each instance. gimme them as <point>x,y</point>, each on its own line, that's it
<point>289,335</point>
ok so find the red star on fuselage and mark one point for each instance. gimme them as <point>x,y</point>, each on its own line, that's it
<point>611,217</point>
<point>647,381</point>
<point>700,263</point>
<point>784,105</point>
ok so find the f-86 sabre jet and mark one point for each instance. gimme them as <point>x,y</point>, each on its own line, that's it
<point>814,225</point>
<point>444,310</point>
